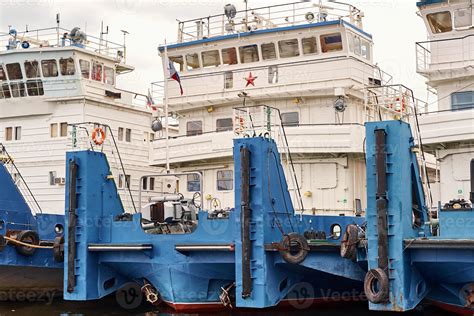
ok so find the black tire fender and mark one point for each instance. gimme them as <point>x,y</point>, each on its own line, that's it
<point>294,239</point>
<point>29,237</point>
<point>376,286</point>
<point>349,242</point>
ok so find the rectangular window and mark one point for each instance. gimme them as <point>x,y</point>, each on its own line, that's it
<point>193,183</point>
<point>192,61</point>
<point>310,45</point>
<point>52,178</point>
<point>463,18</point>
<point>223,125</point>
<point>229,56</point>
<point>228,79</point>
<point>152,184</point>
<point>96,71</point>
<point>120,133</point>
<point>18,133</point>
<point>18,89</point>
<point>53,130</point>
<point>248,54</point>
<point>49,68</point>
<point>290,119</point>
<point>273,74</point>
<point>34,87</point>
<point>9,133</point>
<point>14,71</point>
<point>109,76</point>
<point>128,135</point>
<point>67,66</point>
<point>440,22</point>
<point>357,47</point>
<point>32,69</point>
<point>268,51</point>
<point>85,68</point>
<point>178,62</point>
<point>124,181</point>
<point>211,59</point>
<point>63,127</point>
<point>288,48</point>
<point>5,91</point>
<point>462,100</point>
<point>194,128</point>
<point>365,49</point>
<point>331,42</point>
<point>152,137</point>
<point>3,74</point>
<point>145,184</point>
<point>225,180</point>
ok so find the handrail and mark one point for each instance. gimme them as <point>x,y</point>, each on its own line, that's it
<point>4,151</point>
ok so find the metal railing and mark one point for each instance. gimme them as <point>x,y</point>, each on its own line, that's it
<point>57,37</point>
<point>445,51</point>
<point>268,17</point>
<point>19,181</point>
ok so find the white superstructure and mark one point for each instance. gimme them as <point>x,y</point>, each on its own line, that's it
<point>314,63</point>
<point>446,60</point>
<point>53,78</point>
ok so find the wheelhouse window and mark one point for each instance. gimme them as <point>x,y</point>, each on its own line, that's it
<point>120,133</point>
<point>223,125</point>
<point>3,74</point>
<point>210,59</point>
<point>178,62</point>
<point>288,48</point>
<point>34,87</point>
<point>440,22</point>
<point>310,45</point>
<point>225,180</point>
<point>331,42</point>
<point>18,89</point>
<point>463,18</point>
<point>85,68</point>
<point>248,54</point>
<point>192,61</point>
<point>229,56</point>
<point>96,71</point>
<point>109,76</point>
<point>124,181</point>
<point>14,71</point>
<point>193,183</point>
<point>49,68</point>
<point>53,130</point>
<point>228,79</point>
<point>462,100</point>
<point>63,129</point>
<point>268,51</point>
<point>290,119</point>
<point>128,135</point>
<point>18,133</point>
<point>32,69</point>
<point>5,91</point>
<point>365,49</point>
<point>67,66</point>
<point>194,128</point>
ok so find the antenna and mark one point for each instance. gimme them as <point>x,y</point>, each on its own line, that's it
<point>102,33</point>
<point>125,33</point>
<point>58,20</point>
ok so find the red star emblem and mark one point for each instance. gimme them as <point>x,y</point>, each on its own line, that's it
<point>250,80</point>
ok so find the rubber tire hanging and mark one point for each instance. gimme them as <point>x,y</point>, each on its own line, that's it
<point>349,242</point>
<point>376,286</point>
<point>29,237</point>
<point>286,245</point>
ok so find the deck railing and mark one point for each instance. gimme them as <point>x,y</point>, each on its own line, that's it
<point>282,15</point>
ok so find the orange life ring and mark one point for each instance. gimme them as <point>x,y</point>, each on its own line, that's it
<point>98,136</point>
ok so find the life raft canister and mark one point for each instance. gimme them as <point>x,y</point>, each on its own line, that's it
<point>98,136</point>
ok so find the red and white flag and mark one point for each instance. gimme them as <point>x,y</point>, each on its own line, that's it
<point>149,101</point>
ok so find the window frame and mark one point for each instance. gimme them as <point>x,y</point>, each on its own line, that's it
<point>8,134</point>
<point>275,51</point>
<point>462,106</point>
<point>195,181</point>
<point>69,61</point>
<point>280,47</point>
<point>226,180</point>
<point>216,53</point>
<point>225,128</point>
<point>190,132</point>
<point>31,63</point>
<point>324,45</point>
<point>107,79</point>
<point>315,38</point>
<point>81,61</point>
<point>55,70</point>
<point>231,62</point>
<point>293,123</point>
<point>242,53</point>
<point>15,72</point>
<point>191,68</point>
<point>432,27</point>
<point>94,74</point>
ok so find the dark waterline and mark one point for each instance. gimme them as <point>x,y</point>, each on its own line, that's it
<point>109,306</point>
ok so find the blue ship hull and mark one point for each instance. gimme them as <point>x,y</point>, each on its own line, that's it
<point>106,249</point>
<point>37,273</point>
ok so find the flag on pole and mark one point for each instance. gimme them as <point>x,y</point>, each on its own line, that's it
<point>150,102</point>
<point>175,75</point>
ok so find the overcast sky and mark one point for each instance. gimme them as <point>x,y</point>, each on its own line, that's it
<point>393,24</point>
